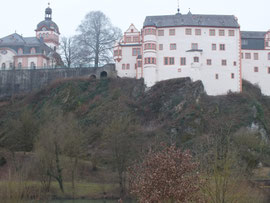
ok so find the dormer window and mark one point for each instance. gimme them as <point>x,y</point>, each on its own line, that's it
<point>33,51</point>
<point>20,51</point>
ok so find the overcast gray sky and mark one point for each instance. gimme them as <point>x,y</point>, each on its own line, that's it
<point>24,15</point>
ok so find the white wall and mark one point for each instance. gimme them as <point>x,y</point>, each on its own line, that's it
<point>262,77</point>
<point>6,58</point>
<point>200,71</point>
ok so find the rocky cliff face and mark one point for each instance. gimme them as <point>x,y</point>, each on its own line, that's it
<point>176,108</point>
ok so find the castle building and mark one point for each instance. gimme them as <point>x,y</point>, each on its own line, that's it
<point>18,52</point>
<point>202,47</point>
<point>256,59</point>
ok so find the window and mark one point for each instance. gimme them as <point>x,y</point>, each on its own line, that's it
<point>128,39</point>
<point>132,30</point>
<point>268,56</point>
<point>123,66</point>
<point>173,46</point>
<point>20,51</point>
<point>222,47</point>
<point>160,32</point>
<point>136,51</point>
<point>224,62</point>
<point>268,70</point>
<point>33,51</point>
<point>244,42</point>
<point>221,32</point>
<point>214,47</point>
<point>172,31</point>
<point>234,63</point>
<point>10,65</point>
<point>139,64</point>
<point>256,56</point>
<point>150,31</point>
<point>168,60</point>
<point>150,46</point>
<point>216,76</point>
<point>33,65</point>
<point>247,55</point>
<point>231,33</point>
<point>19,65</point>
<point>136,39</point>
<point>212,32</point>
<point>232,75</point>
<point>194,46</point>
<point>149,60</point>
<point>196,59</point>
<point>188,31</point>
<point>160,47</point>
<point>198,32</point>
<point>209,62</point>
<point>256,69</point>
<point>183,61</point>
<point>128,66</point>
<point>3,66</point>
<point>267,44</point>
<point>242,55</point>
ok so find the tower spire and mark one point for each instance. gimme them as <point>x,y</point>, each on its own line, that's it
<point>48,12</point>
<point>178,7</point>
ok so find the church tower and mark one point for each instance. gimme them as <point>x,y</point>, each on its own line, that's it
<point>48,31</point>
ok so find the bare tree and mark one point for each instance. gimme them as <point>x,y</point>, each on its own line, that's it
<point>68,50</point>
<point>96,38</point>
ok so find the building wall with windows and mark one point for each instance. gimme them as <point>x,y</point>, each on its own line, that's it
<point>193,52</point>
<point>18,52</point>
<point>201,47</point>
<point>127,54</point>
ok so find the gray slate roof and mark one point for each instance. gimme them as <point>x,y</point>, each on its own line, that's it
<point>15,42</point>
<point>179,20</point>
<point>252,35</point>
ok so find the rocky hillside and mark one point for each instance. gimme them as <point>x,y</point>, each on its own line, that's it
<point>176,109</point>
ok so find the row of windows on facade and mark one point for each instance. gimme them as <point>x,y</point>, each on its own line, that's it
<point>129,39</point>
<point>183,61</point>
<point>256,70</point>
<point>11,65</point>
<point>127,66</point>
<point>189,31</point>
<point>245,42</point>
<point>173,46</point>
<point>135,52</point>
<point>32,51</point>
<point>255,56</point>
<point>216,75</point>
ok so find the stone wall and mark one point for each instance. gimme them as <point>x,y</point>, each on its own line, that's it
<point>14,82</point>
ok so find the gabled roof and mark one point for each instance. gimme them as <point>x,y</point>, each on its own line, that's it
<point>189,19</point>
<point>252,35</point>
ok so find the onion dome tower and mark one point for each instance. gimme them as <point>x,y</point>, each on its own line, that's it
<point>48,31</point>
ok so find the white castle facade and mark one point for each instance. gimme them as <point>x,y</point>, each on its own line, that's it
<point>210,48</point>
